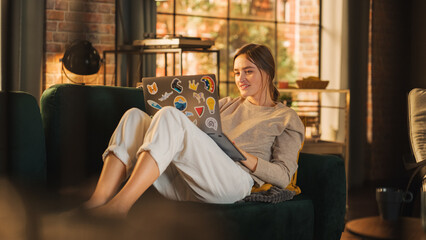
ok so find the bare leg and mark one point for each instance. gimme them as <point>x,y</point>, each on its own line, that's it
<point>143,176</point>
<point>112,175</point>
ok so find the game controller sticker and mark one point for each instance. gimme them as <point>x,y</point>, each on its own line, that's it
<point>211,123</point>
<point>176,85</point>
<point>180,103</point>
<point>209,84</point>
<point>192,85</point>
<point>165,95</point>
<point>211,103</point>
<point>154,104</point>
<point>152,89</point>
<point>189,114</point>
<point>199,110</point>
<point>199,97</point>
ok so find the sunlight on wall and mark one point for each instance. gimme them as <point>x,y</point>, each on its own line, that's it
<point>53,69</point>
<point>332,58</point>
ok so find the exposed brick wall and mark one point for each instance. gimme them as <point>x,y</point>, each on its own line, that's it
<point>390,64</point>
<point>303,41</point>
<point>69,20</point>
<point>308,61</point>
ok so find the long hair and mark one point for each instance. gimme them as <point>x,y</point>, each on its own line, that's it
<point>261,56</point>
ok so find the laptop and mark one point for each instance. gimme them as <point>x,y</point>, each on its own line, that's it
<point>197,97</point>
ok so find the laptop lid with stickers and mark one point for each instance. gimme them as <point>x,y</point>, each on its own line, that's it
<point>195,95</point>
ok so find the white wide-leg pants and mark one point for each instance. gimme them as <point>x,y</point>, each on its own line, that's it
<point>192,167</point>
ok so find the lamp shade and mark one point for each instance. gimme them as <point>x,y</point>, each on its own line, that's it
<point>82,58</point>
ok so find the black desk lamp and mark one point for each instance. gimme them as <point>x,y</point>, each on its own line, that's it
<point>80,62</point>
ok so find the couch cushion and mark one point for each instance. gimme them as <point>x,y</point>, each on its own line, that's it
<point>78,122</point>
<point>22,138</point>
<point>322,179</point>
<point>293,219</point>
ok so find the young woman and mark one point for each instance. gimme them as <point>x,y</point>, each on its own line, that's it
<point>183,163</point>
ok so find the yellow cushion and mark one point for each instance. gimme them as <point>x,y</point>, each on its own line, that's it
<point>291,186</point>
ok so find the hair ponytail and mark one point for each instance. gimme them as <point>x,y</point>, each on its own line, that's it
<point>275,94</point>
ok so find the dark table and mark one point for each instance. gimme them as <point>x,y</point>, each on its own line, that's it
<point>406,228</point>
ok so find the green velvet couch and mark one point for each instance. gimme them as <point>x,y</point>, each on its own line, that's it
<point>79,120</point>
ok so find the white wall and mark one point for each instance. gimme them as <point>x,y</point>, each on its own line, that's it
<point>333,67</point>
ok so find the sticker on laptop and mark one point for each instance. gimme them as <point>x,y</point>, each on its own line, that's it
<point>199,110</point>
<point>154,104</point>
<point>211,103</point>
<point>165,95</point>
<point>176,85</point>
<point>211,123</point>
<point>199,97</point>
<point>193,85</point>
<point>189,114</point>
<point>208,83</point>
<point>152,89</point>
<point>180,103</point>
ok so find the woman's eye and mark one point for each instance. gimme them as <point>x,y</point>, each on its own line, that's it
<point>236,74</point>
<point>249,72</point>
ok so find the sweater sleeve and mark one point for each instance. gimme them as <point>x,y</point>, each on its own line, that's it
<point>280,169</point>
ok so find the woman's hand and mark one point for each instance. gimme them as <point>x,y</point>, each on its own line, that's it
<point>251,160</point>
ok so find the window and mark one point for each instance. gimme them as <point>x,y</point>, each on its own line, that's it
<point>290,28</point>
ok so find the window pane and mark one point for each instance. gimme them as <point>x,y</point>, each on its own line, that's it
<point>164,24</point>
<point>165,6</point>
<point>243,32</point>
<point>214,29</point>
<point>296,11</point>
<point>199,63</point>
<point>297,52</point>
<point>217,8</point>
<point>229,89</point>
<point>160,62</point>
<point>281,10</point>
<point>253,9</point>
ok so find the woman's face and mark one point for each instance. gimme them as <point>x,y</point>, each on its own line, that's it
<point>249,79</point>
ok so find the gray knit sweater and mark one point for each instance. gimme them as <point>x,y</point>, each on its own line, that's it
<point>273,134</point>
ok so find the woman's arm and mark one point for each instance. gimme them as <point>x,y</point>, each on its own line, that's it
<point>251,160</point>
<point>283,164</point>
<point>279,169</point>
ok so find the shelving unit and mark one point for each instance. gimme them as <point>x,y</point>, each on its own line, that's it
<point>141,50</point>
<point>309,111</point>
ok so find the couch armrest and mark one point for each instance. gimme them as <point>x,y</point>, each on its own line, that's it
<point>322,178</point>
<point>22,142</point>
<point>78,123</point>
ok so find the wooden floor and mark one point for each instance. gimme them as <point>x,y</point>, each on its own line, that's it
<point>362,203</point>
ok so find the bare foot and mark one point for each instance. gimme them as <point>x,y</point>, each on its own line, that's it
<point>93,203</point>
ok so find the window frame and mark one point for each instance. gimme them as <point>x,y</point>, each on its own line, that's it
<point>228,20</point>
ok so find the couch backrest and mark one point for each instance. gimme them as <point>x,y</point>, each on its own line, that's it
<point>78,122</point>
<point>22,143</point>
